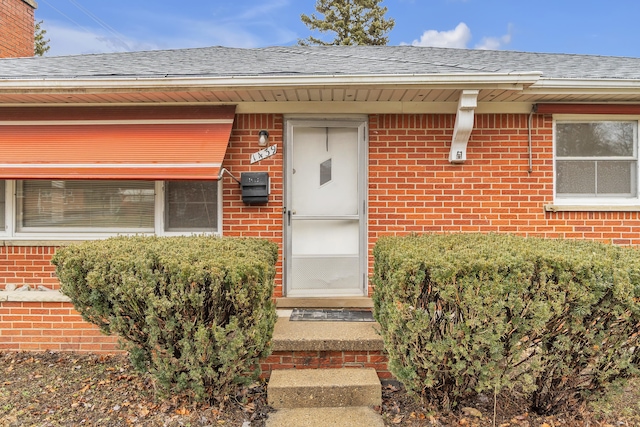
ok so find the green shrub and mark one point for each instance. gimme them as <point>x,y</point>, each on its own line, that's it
<point>196,312</point>
<point>469,313</point>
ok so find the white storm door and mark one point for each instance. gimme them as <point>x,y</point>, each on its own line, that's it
<point>325,210</point>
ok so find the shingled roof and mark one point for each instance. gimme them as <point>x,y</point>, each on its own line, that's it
<point>317,61</point>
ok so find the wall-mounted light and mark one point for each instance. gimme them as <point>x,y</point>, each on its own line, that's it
<point>263,138</point>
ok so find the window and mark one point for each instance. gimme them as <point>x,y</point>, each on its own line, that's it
<point>596,159</point>
<point>85,205</point>
<point>191,206</point>
<point>60,208</point>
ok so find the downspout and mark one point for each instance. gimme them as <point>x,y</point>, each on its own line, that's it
<point>533,109</point>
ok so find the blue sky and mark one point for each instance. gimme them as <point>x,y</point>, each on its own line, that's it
<point>562,26</point>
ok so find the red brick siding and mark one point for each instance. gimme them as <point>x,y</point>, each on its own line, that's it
<point>39,326</point>
<point>16,29</point>
<point>412,188</point>
<point>264,221</point>
<point>326,360</point>
<point>27,265</point>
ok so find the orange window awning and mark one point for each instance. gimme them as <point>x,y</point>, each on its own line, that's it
<point>150,143</point>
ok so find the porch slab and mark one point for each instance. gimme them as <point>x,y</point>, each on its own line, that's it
<point>329,302</point>
<point>326,336</point>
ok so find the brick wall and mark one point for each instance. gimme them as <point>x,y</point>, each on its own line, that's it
<point>54,326</point>
<point>412,188</point>
<point>27,265</point>
<point>16,28</point>
<point>264,221</point>
<point>326,360</point>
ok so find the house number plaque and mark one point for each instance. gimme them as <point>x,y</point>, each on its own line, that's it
<point>264,154</point>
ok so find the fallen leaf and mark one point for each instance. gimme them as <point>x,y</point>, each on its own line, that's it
<point>472,412</point>
<point>182,411</point>
<point>397,419</point>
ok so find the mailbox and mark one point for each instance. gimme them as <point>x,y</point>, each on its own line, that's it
<point>255,187</point>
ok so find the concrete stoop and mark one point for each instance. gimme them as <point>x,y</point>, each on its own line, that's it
<point>331,396</point>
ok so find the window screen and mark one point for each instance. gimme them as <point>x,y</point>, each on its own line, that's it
<point>191,206</point>
<point>596,159</point>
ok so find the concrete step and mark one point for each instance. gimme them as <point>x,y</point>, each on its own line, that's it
<point>325,336</point>
<point>316,388</point>
<point>359,416</point>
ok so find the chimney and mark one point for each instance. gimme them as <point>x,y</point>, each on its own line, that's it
<point>17,27</point>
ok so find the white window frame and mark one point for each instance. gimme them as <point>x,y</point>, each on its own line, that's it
<point>612,201</point>
<point>10,231</point>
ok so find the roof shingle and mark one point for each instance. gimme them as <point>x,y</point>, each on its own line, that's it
<point>317,61</point>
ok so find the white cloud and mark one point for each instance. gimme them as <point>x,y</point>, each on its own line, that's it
<point>460,37</point>
<point>495,43</point>
<point>457,38</point>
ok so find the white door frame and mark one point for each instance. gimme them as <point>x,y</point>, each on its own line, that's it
<point>361,124</point>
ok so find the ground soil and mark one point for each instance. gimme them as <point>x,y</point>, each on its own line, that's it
<point>47,389</point>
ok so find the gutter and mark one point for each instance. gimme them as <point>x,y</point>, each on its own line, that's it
<point>507,81</point>
<point>591,85</point>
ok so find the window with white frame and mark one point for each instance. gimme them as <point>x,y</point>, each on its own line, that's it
<point>596,159</point>
<point>64,207</point>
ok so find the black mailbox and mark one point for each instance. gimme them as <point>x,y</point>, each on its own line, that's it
<point>255,187</point>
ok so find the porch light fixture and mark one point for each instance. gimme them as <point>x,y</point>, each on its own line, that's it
<point>263,138</point>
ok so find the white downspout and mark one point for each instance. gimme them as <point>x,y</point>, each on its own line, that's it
<point>463,126</point>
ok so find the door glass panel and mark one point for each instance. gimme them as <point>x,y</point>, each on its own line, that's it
<point>335,192</point>
<point>337,237</point>
<point>326,274</point>
<point>325,172</point>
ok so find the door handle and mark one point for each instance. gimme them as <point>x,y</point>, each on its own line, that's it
<point>289,213</point>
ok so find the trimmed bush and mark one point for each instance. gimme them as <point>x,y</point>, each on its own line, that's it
<point>462,314</point>
<point>196,312</point>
